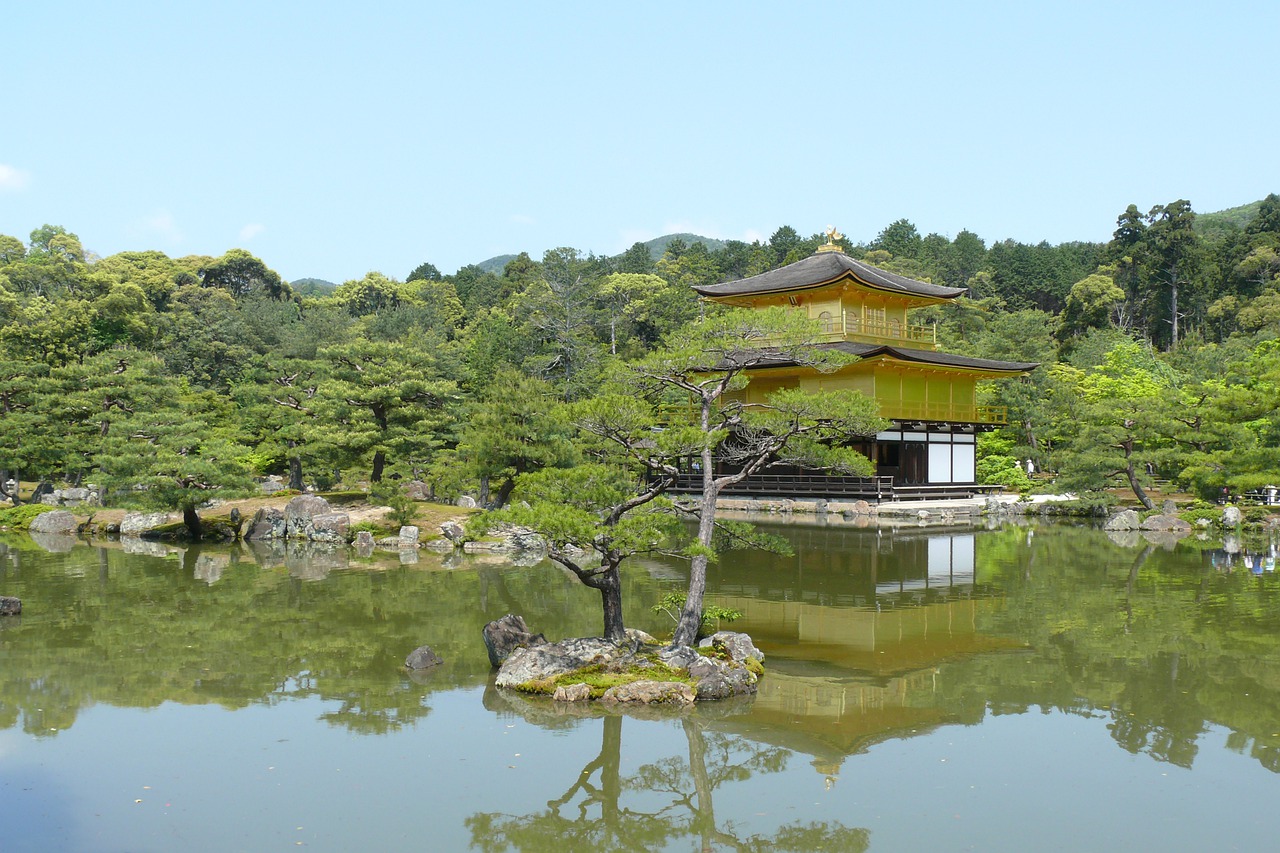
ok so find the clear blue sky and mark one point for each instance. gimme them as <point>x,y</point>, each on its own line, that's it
<point>331,139</point>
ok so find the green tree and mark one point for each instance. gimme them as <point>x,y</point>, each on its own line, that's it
<point>900,239</point>
<point>1115,429</point>
<point>26,435</point>
<point>11,250</point>
<point>1173,251</point>
<point>240,274</point>
<point>425,272</point>
<point>627,297</point>
<point>379,401</point>
<point>559,312</point>
<point>637,260</point>
<point>514,427</point>
<point>1091,304</point>
<point>178,451</point>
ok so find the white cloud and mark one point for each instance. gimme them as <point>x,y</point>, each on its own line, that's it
<point>12,179</point>
<point>161,225</point>
<point>251,230</point>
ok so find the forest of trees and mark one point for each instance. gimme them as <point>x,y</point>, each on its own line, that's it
<point>167,380</point>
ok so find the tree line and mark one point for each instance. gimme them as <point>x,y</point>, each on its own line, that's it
<point>169,379</point>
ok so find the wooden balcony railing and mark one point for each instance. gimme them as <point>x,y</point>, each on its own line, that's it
<point>850,324</point>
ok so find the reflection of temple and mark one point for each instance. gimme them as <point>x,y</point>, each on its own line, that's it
<point>854,650</point>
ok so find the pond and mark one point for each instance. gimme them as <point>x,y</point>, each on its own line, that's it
<point>1043,688</point>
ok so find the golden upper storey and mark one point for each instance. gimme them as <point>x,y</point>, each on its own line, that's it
<point>852,301</point>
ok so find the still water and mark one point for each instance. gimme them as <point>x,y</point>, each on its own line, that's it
<point>1038,688</point>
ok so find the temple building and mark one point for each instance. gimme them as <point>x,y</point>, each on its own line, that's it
<point>931,396</point>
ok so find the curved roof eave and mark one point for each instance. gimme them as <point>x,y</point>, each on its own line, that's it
<point>827,268</point>
<point>937,359</point>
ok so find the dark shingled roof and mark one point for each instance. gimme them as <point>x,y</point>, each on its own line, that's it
<point>944,359</point>
<point>824,268</point>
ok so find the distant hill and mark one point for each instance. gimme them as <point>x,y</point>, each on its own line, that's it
<point>657,247</point>
<point>1212,224</point>
<point>497,264</point>
<point>312,287</point>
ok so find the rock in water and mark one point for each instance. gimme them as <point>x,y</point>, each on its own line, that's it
<point>572,693</point>
<point>10,606</point>
<point>651,693</point>
<point>1124,520</point>
<point>737,645</point>
<point>503,636</point>
<point>422,657</point>
<point>300,511</point>
<point>548,660</point>
<point>59,521</point>
<point>268,523</point>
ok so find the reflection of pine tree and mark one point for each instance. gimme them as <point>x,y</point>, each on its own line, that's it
<point>591,814</point>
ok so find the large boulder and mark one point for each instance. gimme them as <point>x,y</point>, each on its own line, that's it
<point>408,536</point>
<point>268,523</point>
<point>548,660</point>
<point>300,511</point>
<point>10,606</point>
<point>453,531</point>
<point>1231,516</point>
<point>1167,523</point>
<point>142,523</point>
<point>271,485</point>
<point>417,490</point>
<point>72,497</point>
<point>57,522</point>
<point>506,635</point>
<point>1125,520</point>
<point>720,679</point>
<point>330,527</point>
<point>735,644</point>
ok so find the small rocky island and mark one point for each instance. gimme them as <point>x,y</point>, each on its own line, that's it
<point>640,671</point>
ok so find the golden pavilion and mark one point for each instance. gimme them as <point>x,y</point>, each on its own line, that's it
<point>931,396</point>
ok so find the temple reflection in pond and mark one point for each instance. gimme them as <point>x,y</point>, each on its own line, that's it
<point>854,632</point>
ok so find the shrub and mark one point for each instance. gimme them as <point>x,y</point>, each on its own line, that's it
<point>403,507</point>
<point>20,517</point>
<point>712,615</point>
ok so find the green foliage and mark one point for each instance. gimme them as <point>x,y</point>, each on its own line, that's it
<point>712,615</point>
<point>392,494</point>
<point>20,517</point>
<point>1007,471</point>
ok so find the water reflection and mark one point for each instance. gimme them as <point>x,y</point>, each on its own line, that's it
<point>872,635</point>
<point>661,802</point>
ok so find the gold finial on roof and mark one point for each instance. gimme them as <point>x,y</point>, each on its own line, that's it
<point>832,236</point>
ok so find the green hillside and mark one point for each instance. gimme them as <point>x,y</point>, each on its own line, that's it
<point>1224,221</point>
<point>312,287</point>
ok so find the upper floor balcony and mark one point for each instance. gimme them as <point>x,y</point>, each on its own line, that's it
<point>875,327</point>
